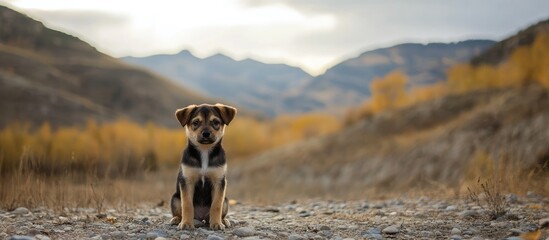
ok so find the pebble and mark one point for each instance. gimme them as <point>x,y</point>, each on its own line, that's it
<point>42,237</point>
<point>244,232</point>
<point>326,233</point>
<point>531,194</point>
<point>451,208</point>
<point>375,236</point>
<point>468,214</point>
<point>455,231</point>
<point>391,230</point>
<point>511,198</point>
<point>184,236</point>
<point>20,211</point>
<point>455,237</point>
<point>544,223</point>
<point>19,237</point>
<point>156,233</point>
<point>214,237</point>
<point>296,237</point>
<point>324,227</point>
<point>252,238</point>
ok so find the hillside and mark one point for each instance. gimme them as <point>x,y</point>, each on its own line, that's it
<point>249,83</point>
<point>503,49</point>
<point>347,83</point>
<point>498,131</point>
<point>46,75</point>
<point>426,146</point>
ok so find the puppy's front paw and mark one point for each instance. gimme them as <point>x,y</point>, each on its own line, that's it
<point>226,222</point>
<point>175,220</point>
<point>185,226</point>
<point>217,226</point>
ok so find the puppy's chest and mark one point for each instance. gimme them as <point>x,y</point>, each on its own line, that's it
<point>205,169</point>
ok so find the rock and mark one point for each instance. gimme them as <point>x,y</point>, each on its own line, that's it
<point>19,237</point>
<point>511,198</point>
<point>455,237</point>
<point>296,237</point>
<point>20,211</point>
<point>252,238</point>
<point>156,233</point>
<point>118,234</point>
<point>326,233</point>
<point>214,237</point>
<point>184,237</point>
<point>391,230</point>
<point>160,238</point>
<point>374,236</point>
<point>372,231</point>
<point>304,214</point>
<point>41,237</point>
<point>451,208</point>
<point>244,232</point>
<point>273,210</point>
<point>455,231</point>
<point>531,194</point>
<point>468,214</point>
<point>342,227</point>
<point>544,223</point>
<point>205,232</point>
<point>324,227</point>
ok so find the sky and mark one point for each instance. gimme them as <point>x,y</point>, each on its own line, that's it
<point>311,34</point>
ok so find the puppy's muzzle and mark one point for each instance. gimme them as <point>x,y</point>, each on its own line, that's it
<point>206,138</point>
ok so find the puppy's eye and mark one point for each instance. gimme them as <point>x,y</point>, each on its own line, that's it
<point>215,123</point>
<point>195,123</point>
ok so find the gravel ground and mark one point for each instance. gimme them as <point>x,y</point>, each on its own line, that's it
<point>420,218</point>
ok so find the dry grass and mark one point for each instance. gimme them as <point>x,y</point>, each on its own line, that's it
<point>488,195</point>
<point>69,191</point>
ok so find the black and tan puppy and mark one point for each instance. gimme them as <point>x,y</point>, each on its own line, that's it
<point>201,183</point>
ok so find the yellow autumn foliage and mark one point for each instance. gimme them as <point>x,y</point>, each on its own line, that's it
<point>125,148</point>
<point>526,64</point>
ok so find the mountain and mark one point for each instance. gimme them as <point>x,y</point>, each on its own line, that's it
<point>433,146</point>
<point>252,84</point>
<point>347,83</point>
<point>502,50</point>
<point>47,75</point>
<point>430,146</point>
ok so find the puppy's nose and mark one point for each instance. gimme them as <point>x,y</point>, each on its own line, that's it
<point>206,134</point>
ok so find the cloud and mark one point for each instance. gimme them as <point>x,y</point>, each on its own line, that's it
<point>363,25</point>
<point>313,34</point>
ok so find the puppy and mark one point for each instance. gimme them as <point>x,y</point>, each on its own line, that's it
<point>201,182</point>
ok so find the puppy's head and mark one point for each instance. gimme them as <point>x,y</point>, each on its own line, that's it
<point>205,123</point>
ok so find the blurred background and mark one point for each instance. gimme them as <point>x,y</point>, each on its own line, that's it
<point>336,99</point>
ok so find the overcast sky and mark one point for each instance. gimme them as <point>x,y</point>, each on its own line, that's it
<point>312,34</point>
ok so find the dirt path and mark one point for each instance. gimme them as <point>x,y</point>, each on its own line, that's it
<point>397,218</point>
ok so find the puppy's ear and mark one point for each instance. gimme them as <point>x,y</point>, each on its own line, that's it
<point>183,114</point>
<point>227,113</point>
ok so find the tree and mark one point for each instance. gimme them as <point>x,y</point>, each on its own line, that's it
<point>389,92</point>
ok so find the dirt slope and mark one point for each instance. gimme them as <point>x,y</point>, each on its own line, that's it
<point>46,75</point>
<point>424,146</point>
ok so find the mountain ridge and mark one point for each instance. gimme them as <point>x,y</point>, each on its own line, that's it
<point>346,84</point>
<point>249,82</point>
<point>49,76</point>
